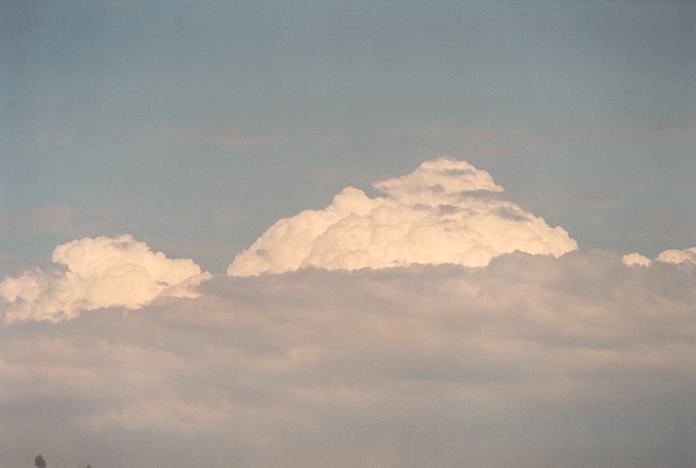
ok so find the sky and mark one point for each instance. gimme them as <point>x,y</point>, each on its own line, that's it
<point>356,233</point>
<point>194,125</point>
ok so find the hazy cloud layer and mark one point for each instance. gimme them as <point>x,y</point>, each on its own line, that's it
<point>93,273</point>
<point>446,211</point>
<point>532,361</point>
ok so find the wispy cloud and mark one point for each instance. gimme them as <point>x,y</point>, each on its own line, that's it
<point>56,220</point>
<point>51,139</point>
<point>680,130</point>
<point>471,141</point>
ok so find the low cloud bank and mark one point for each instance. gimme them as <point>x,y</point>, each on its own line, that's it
<point>94,273</point>
<point>532,361</point>
<point>446,211</point>
<point>466,351</point>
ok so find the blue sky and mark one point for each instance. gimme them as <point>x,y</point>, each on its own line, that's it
<point>195,125</point>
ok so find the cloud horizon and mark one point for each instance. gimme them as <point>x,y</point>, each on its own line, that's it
<point>446,212</point>
<point>557,356</point>
<point>531,360</point>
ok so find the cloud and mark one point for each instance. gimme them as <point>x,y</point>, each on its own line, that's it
<point>666,256</point>
<point>63,221</point>
<point>98,272</point>
<point>446,211</point>
<point>678,256</point>
<point>478,141</point>
<point>463,352</point>
<point>531,361</point>
<point>635,258</point>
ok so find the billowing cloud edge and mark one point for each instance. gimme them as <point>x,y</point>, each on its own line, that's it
<point>675,256</point>
<point>445,211</point>
<point>95,273</point>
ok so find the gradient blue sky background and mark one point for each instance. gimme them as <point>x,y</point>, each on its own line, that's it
<point>195,125</point>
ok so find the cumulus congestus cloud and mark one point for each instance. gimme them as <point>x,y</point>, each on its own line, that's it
<point>446,211</point>
<point>96,273</point>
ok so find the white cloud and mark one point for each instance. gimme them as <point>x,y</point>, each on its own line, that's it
<point>532,361</point>
<point>678,256</point>
<point>98,272</point>
<point>633,259</point>
<point>570,360</point>
<point>666,256</point>
<point>446,211</point>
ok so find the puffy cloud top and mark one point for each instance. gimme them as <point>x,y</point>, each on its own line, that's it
<point>446,211</point>
<point>636,259</point>
<point>438,181</point>
<point>99,272</point>
<point>666,256</point>
<point>678,256</point>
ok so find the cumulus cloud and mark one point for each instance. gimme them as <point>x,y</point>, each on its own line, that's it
<point>96,273</point>
<point>532,361</point>
<point>636,259</point>
<point>446,211</point>
<point>678,256</point>
<point>466,351</point>
<point>666,256</point>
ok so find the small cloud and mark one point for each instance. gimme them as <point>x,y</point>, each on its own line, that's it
<point>675,256</point>
<point>99,272</point>
<point>678,256</point>
<point>636,259</point>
